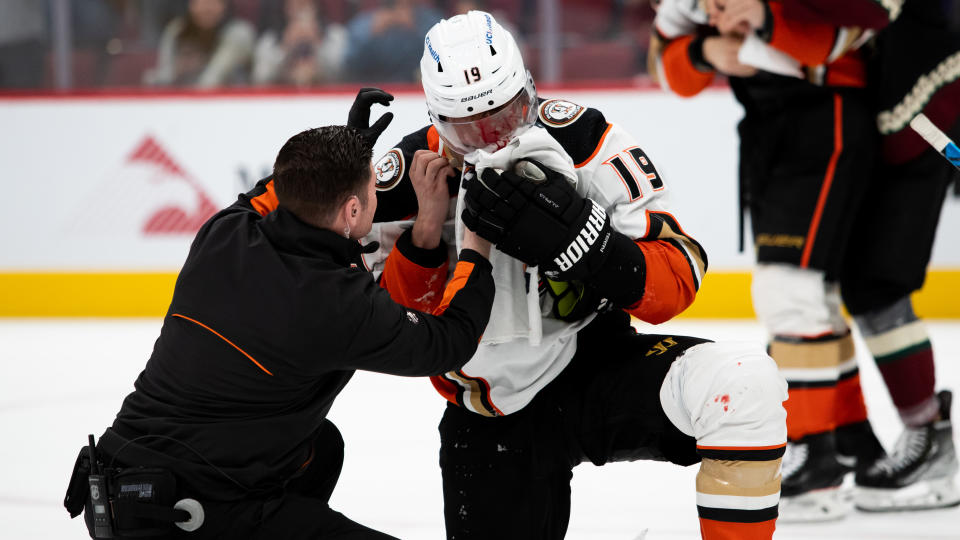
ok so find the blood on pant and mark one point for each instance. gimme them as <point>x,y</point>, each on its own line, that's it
<point>724,399</point>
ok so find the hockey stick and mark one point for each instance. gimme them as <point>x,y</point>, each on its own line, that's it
<point>937,139</point>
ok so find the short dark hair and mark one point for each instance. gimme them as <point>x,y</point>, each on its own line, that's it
<point>318,169</point>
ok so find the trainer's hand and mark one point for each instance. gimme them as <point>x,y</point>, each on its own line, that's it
<point>359,116</point>
<point>428,174</point>
<point>721,52</point>
<point>536,216</point>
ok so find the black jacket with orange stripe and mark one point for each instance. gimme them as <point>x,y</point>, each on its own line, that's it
<point>269,320</point>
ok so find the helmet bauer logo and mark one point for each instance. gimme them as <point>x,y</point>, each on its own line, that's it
<point>389,170</point>
<point>558,112</point>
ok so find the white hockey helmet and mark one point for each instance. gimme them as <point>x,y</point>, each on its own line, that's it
<point>479,94</point>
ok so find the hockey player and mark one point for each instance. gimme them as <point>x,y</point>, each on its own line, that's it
<point>806,154</point>
<point>585,239</point>
<point>914,65</point>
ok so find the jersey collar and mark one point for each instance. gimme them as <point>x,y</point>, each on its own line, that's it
<point>290,234</point>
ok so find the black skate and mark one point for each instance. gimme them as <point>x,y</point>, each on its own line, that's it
<point>812,485</point>
<point>858,447</point>
<point>921,472</point>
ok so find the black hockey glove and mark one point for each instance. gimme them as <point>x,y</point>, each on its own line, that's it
<point>574,300</point>
<point>535,216</point>
<point>359,116</point>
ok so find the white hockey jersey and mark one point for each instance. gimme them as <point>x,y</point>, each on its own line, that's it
<point>527,347</point>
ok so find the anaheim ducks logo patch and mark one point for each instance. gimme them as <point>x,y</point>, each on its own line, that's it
<point>389,170</point>
<point>558,112</point>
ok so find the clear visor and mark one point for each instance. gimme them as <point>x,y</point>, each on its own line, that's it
<point>493,129</point>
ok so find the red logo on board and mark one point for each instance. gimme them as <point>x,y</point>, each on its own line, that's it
<point>171,218</point>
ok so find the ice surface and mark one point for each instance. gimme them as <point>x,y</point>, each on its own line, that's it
<point>63,379</point>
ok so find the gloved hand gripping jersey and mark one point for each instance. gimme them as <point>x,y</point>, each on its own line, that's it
<point>533,214</point>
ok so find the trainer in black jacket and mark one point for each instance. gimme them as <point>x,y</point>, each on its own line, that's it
<point>272,313</point>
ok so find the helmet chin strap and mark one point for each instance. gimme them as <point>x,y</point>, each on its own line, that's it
<point>455,158</point>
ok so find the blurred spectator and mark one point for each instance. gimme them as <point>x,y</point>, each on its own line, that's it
<point>457,7</point>
<point>385,44</point>
<point>23,42</point>
<point>622,11</point>
<point>205,48</point>
<point>96,25</point>
<point>299,50</point>
<point>154,16</point>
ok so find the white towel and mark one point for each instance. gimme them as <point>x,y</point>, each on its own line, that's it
<point>516,304</point>
<point>759,54</point>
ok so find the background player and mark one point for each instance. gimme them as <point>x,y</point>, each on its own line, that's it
<point>827,49</point>
<point>894,229</point>
<point>801,193</point>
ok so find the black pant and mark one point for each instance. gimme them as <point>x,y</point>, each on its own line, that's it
<point>300,512</point>
<point>894,231</point>
<point>509,477</point>
<point>805,164</point>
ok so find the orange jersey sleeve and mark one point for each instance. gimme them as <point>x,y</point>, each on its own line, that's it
<point>414,277</point>
<point>670,287</point>
<point>675,265</point>
<point>682,77</point>
<point>809,42</point>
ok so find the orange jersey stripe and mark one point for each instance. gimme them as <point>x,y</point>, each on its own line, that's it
<point>827,180</point>
<point>412,285</point>
<point>848,70</point>
<point>810,43</point>
<point>669,286</point>
<point>771,447</point>
<point>446,388</point>
<point>810,410</point>
<point>267,201</point>
<point>724,530</point>
<point>850,406</point>
<point>681,75</point>
<point>597,149</point>
<point>460,275</point>
<point>232,344</point>
<point>433,139</point>
<point>485,392</point>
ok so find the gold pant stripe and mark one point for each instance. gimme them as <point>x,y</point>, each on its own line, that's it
<point>739,478</point>
<point>815,354</point>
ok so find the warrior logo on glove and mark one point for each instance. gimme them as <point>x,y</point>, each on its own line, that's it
<point>536,216</point>
<point>586,239</point>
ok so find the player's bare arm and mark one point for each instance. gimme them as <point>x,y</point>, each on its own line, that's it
<point>741,16</point>
<point>721,52</point>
